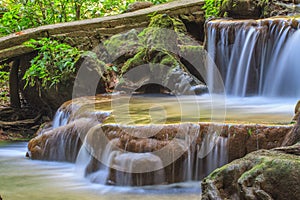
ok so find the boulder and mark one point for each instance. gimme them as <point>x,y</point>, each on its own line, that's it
<point>254,9</point>
<point>242,9</point>
<point>264,174</point>
<point>158,62</point>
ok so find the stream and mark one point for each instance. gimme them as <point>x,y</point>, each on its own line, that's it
<point>25,179</point>
<point>22,178</point>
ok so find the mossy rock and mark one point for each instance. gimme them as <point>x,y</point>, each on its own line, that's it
<point>160,67</point>
<point>264,174</point>
<point>243,9</point>
<point>121,47</point>
<point>158,51</point>
<point>165,32</point>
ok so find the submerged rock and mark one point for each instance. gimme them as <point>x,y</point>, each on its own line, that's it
<point>264,174</point>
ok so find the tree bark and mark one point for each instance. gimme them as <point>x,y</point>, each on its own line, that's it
<point>14,84</point>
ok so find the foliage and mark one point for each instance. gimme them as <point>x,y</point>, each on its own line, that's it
<point>54,64</point>
<point>212,8</point>
<point>4,88</point>
<point>23,14</point>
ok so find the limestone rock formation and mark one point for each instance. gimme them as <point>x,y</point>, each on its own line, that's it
<point>264,174</point>
<point>60,144</point>
<point>114,153</point>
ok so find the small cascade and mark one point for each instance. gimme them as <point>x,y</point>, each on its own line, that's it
<point>60,119</point>
<point>250,55</point>
<point>117,156</point>
<point>62,143</point>
<point>146,154</point>
<point>129,164</point>
<point>216,158</point>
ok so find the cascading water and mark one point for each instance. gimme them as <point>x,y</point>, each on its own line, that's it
<point>255,57</point>
<point>286,71</point>
<point>60,119</point>
<point>116,154</point>
<point>127,160</point>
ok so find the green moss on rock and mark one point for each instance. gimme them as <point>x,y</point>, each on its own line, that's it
<point>138,59</point>
<point>260,175</point>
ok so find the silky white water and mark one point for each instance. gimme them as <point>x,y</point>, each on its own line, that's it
<point>21,178</point>
<point>257,60</point>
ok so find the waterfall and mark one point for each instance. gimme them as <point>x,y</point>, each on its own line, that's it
<point>286,71</point>
<point>255,57</point>
<point>60,119</point>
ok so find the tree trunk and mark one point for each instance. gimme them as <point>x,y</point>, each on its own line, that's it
<point>14,85</point>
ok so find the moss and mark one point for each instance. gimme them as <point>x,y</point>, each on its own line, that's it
<point>169,61</point>
<point>257,169</point>
<point>165,21</point>
<point>138,59</point>
<point>160,45</point>
<point>164,32</point>
<point>153,56</point>
<point>191,50</point>
<point>122,42</point>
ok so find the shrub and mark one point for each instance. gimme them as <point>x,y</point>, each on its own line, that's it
<point>54,64</point>
<point>212,8</point>
<point>23,14</point>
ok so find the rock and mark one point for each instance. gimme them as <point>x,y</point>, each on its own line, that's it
<point>114,146</point>
<point>264,174</point>
<point>254,9</point>
<point>60,144</point>
<point>297,112</point>
<point>294,135</point>
<point>244,139</point>
<point>121,47</point>
<point>158,62</point>
<point>129,151</point>
<point>242,9</point>
<point>138,5</point>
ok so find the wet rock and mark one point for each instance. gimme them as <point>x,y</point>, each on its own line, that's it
<point>129,151</point>
<point>138,5</point>
<point>176,152</point>
<point>244,139</point>
<point>264,174</point>
<point>60,144</point>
